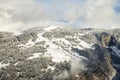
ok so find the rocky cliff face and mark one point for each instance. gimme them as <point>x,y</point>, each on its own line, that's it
<point>56,53</point>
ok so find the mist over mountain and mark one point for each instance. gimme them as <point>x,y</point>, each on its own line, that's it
<point>19,15</point>
<point>60,53</point>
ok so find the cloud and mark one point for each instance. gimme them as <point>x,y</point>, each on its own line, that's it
<point>101,13</point>
<point>18,15</point>
<point>62,76</point>
<point>78,64</point>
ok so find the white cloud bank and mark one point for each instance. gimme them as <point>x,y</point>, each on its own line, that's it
<point>18,15</point>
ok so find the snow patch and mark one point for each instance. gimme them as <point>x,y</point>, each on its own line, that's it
<point>118,39</point>
<point>80,48</point>
<point>85,44</point>
<point>57,54</point>
<point>30,43</point>
<point>82,44</point>
<point>4,65</point>
<point>51,67</point>
<point>51,28</point>
<point>61,40</point>
<point>77,56</point>
<point>35,55</point>
<point>81,34</point>
<point>16,63</point>
<point>40,37</point>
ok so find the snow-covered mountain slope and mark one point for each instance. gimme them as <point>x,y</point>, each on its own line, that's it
<point>55,53</point>
<point>59,48</point>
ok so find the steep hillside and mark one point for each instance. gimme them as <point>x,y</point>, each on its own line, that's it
<point>57,53</point>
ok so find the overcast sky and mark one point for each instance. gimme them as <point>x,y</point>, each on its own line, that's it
<point>18,15</point>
